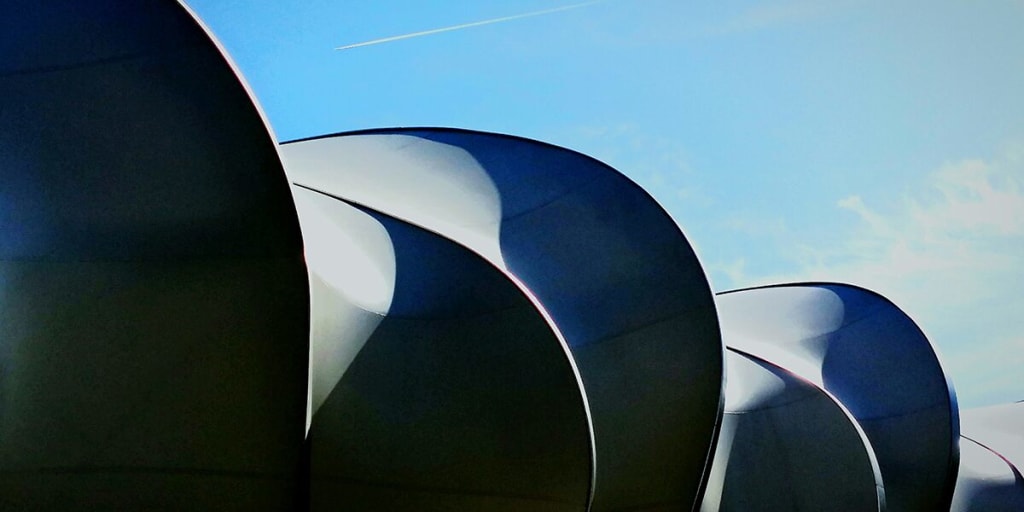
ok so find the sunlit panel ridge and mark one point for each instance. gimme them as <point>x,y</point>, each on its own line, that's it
<point>818,454</point>
<point>195,317</point>
<point>864,351</point>
<point>991,460</point>
<point>608,265</point>
<point>461,398</point>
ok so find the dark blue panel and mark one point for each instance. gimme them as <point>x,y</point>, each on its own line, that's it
<point>876,361</point>
<point>787,445</point>
<point>611,268</point>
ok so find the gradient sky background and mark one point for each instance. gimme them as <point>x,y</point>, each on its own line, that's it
<point>870,142</point>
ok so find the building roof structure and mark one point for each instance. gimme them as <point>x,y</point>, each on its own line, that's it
<point>867,353</point>
<point>816,451</point>
<point>992,455</point>
<point>154,309</point>
<point>631,304</point>
<point>193,316</point>
<point>460,398</point>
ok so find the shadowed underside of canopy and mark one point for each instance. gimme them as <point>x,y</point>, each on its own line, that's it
<point>817,454</point>
<point>154,319</point>
<point>461,396</point>
<point>992,456</point>
<point>606,263</point>
<point>467,321</point>
<point>870,356</point>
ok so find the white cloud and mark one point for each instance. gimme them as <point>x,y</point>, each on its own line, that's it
<point>977,200</point>
<point>967,230</point>
<point>951,254</point>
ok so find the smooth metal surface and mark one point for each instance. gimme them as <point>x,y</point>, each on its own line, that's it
<point>352,283</point>
<point>1000,428</point>
<point>785,444</point>
<point>986,482</point>
<point>461,397</point>
<point>991,459</point>
<point>153,297</point>
<point>867,353</point>
<point>611,268</point>
<point>497,323</point>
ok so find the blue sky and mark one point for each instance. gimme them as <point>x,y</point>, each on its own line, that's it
<point>870,142</point>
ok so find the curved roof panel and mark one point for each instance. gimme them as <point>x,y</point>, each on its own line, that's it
<point>871,356</point>
<point>155,301</point>
<point>460,397</point>
<point>1000,428</point>
<point>986,481</point>
<point>785,444</point>
<point>611,268</point>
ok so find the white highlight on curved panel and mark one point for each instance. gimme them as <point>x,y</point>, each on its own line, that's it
<point>869,355</point>
<point>790,332</point>
<point>986,482</point>
<point>352,282</point>
<point>599,255</point>
<point>786,444</point>
<point>438,186</point>
<point>464,397</point>
<point>998,427</point>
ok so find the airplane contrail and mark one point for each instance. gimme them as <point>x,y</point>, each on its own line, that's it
<point>468,25</point>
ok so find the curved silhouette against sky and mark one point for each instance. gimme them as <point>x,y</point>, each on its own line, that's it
<point>859,141</point>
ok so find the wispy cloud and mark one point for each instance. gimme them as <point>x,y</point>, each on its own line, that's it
<point>950,253</point>
<point>966,227</point>
<point>734,270</point>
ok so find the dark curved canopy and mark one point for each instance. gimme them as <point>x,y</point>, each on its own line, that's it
<point>786,444</point>
<point>874,359</point>
<point>612,270</point>
<point>460,397</point>
<point>987,482</point>
<point>154,328</point>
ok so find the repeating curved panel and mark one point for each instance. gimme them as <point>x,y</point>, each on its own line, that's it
<point>610,267</point>
<point>986,481</point>
<point>1000,428</point>
<point>868,354</point>
<point>352,271</point>
<point>153,297</point>
<point>787,445</point>
<point>460,397</point>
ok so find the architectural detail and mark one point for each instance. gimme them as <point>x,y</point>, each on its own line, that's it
<point>632,306</point>
<point>817,453</point>
<point>461,397</point>
<point>154,309</point>
<point>864,351</point>
<point>194,317</point>
<point>991,459</point>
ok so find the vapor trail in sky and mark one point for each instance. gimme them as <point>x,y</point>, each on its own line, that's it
<point>468,25</point>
